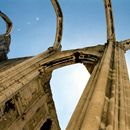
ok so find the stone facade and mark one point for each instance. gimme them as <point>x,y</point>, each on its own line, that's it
<point>26,101</point>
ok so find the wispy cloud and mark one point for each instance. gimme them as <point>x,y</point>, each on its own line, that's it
<point>37,18</point>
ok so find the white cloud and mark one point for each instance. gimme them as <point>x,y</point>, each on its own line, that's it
<point>37,18</point>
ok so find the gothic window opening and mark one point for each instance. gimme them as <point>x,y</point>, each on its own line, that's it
<point>9,105</point>
<point>47,125</point>
<point>67,85</point>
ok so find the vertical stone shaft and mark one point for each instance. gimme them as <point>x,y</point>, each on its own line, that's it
<point>118,117</point>
<point>121,91</point>
<point>124,92</point>
<point>110,21</point>
<point>116,97</point>
<point>90,113</point>
<point>91,110</point>
<point>94,112</point>
<point>81,108</point>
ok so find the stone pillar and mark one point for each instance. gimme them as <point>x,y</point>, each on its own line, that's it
<point>91,104</point>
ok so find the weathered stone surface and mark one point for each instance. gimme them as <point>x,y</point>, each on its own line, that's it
<point>26,101</point>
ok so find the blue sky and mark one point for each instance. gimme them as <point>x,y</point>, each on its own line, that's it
<point>34,25</point>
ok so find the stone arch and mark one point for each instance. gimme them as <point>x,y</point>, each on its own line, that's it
<point>88,56</point>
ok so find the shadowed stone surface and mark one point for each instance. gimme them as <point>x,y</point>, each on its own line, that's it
<point>25,95</point>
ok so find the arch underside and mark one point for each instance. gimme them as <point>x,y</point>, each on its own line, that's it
<point>89,56</point>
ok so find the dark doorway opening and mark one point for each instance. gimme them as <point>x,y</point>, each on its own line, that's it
<point>47,125</point>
